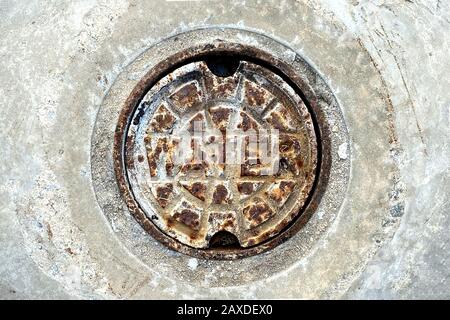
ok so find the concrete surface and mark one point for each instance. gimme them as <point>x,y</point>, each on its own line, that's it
<point>387,63</point>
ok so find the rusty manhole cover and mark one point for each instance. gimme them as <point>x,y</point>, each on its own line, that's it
<point>216,152</point>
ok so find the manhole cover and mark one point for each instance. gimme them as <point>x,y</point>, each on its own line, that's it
<point>216,152</point>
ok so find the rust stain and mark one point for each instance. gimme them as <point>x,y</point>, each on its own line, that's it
<point>186,97</point>
<point>221,117</point>
<point>245,188</point>
<point>255,96</point>
<point>163,193</point>
<point>153,155</point>
<point>221,195</point>
<point>197,189</point>
<point>197,123</point>
<point>279,192</point>
<point>247,123</point>
<point>188,218</point>
<point>290,152</point>
<point>257,212</point>
<point>163,120</point>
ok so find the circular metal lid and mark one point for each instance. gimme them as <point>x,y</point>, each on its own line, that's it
<point>219,153</point>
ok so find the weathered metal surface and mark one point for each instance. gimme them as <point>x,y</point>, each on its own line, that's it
<point>197,206</point>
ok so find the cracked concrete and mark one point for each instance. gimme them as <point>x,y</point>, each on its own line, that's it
<point>386,62</point>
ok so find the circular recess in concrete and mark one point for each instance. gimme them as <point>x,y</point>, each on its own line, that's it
<point>217,152</point>
<point>66,231</point>
<point>297,80</point>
